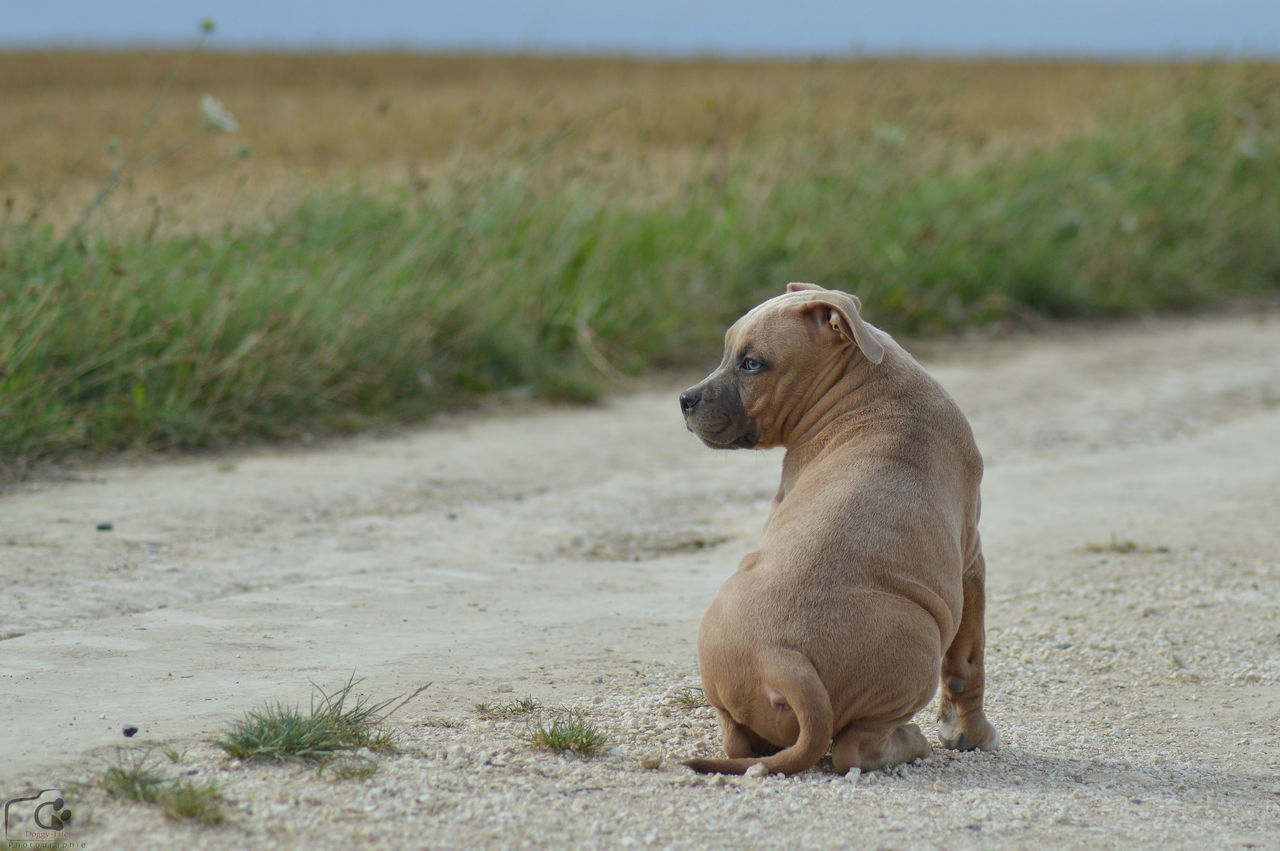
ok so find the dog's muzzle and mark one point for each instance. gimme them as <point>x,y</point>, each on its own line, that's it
<point>719,422</point>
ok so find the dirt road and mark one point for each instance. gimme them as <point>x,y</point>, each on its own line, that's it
<point>1132,529</point>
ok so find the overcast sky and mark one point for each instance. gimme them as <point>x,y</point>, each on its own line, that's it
<point>730,27</point>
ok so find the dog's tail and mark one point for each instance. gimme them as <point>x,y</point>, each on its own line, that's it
<point>791,675</point>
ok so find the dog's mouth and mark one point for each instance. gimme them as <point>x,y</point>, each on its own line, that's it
<point>727,439</point>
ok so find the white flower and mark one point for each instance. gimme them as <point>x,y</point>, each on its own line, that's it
<point>216,116</point>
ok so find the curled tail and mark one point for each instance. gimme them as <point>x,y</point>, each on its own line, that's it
<point>792,675</point>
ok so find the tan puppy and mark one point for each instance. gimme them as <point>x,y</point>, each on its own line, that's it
<point>868,584</point>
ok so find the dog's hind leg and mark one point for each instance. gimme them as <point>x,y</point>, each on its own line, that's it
<point>962,725</point>
<point>872,749</point>
<point>741,741</point>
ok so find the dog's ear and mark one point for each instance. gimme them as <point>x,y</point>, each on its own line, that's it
<point>841,313</point>
<point>797,286</point>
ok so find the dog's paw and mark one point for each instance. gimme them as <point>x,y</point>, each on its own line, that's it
<point>980,736</point>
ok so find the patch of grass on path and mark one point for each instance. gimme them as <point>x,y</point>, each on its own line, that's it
<point>691,697</point>
<point>134,778</point>
<point>511,709</point>
<point>568,731</point>
<point>336,722</point>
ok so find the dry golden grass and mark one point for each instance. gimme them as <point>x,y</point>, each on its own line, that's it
<point>394,116</point>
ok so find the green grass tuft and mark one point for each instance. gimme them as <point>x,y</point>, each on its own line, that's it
<point>691,697</point>
<point>523,706</point>
<point>336,722</point>
<point>134,778</point>
<point>568,731</point>
<point>198,802</point>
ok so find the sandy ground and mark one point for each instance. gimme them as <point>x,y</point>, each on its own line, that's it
<point>1132,531</point>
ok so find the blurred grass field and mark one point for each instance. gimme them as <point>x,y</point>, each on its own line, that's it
<point>386,235</point>
<point>401,118</point>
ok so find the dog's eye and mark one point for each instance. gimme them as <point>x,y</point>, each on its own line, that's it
<point>750,364</point>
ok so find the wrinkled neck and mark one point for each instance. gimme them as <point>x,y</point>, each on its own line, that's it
<point>835,404</point>
<point>830,395</point>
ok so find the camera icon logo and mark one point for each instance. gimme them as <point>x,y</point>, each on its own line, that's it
<point>42,817</point>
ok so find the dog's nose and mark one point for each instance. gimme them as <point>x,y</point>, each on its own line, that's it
<point>689,399</point>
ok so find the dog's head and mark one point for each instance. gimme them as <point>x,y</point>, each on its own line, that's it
<point>779,359</point>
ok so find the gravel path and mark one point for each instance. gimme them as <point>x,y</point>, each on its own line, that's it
<point>1132,530</point>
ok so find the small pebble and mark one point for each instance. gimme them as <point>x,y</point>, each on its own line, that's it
<point>651,761</point>
<point>106,526</point>
<point>939,786</point>
<point>757,770</point>
<point>130,731</point>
